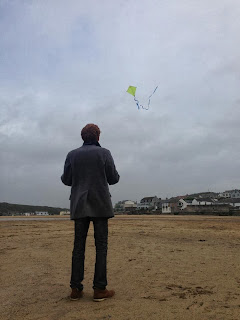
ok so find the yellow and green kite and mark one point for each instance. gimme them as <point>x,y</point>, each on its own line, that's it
<point>132,91</point>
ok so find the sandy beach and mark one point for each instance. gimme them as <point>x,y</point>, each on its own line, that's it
<point>162,267</point>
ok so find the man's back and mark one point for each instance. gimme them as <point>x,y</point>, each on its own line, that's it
<point>88,170</point>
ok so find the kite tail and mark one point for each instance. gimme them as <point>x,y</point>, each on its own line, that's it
<point>137,103</point>
<point>149,99</point>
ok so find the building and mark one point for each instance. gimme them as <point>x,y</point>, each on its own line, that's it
<point>166,206</point>
<point>159,204</point>
<point>27,214</point>
<point>202,202</point>
<point>207,206</point>
<point>119,206</point>
<point>148,203</point>
<point>183,203</point>
<point>170,205</point>
<point>234,202</point>
<point>65,213</point>
<point>231,194</point>
<point>129,205</point>
<point>41,213</point>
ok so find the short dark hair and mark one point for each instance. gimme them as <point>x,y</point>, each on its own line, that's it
<point>90,133</point>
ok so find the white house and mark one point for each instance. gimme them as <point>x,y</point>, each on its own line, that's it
<point>235,193</point>
<point>129,205</point>
<point>231,193</point>
<point>41,213</point>
<point>202,202</point>
<point>64,213</point>
<point>119,206</point>
<point>170,205</point>
<point>183,203</point>
<point>148,202</point>
<point>166,206</point>
<point>143,205</point>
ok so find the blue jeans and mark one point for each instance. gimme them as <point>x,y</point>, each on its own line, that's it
<point>78,255</point>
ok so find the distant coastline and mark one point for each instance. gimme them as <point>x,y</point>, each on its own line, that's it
<point>12,209</point>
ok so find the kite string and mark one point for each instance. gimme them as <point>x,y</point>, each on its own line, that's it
<point>149,99</point>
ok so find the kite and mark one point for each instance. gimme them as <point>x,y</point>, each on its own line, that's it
<point>132,91</point>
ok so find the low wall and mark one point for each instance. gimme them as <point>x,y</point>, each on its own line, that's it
<point>209,210</point>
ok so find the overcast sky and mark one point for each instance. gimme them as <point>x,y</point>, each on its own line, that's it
<point>64,64</point>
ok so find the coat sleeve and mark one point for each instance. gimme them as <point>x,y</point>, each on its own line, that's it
<point>67,172</point>
<point>111,172</point>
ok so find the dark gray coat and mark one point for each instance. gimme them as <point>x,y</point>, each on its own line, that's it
<point>88,170</point>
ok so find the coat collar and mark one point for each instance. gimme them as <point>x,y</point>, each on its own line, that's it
<point>94,143</point>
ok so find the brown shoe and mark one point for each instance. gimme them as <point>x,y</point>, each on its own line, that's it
<point>76,294</point>
<point>100,295</point>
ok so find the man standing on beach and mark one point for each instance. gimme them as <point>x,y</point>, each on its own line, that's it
<point>88,170</point>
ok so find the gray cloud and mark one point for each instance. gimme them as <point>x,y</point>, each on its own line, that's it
<point>65,64</point>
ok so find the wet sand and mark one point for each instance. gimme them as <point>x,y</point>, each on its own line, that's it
<point>162,267</point>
